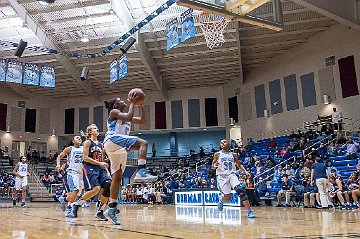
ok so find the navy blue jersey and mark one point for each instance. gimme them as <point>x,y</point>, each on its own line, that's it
<point>95,152</point>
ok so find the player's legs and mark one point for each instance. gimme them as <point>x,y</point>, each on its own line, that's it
<point>142,175</point>
<point>117,156</point>
<point>75,183</point>
<point>15,195</point>
<point>23,195</point>
<point>18,186</point>
<point>240,190</point>
<point>105,182</point>
<point>224,187</point>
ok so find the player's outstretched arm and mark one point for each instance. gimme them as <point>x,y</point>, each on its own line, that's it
<point>65,152</point>
<point>215,162</point>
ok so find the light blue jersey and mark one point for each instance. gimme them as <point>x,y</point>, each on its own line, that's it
<point>226,163</point>
<point>75,159</point>
<point>118,132</point>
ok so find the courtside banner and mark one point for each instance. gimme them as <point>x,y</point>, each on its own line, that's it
<point>189,198</point>
<point>211,198</point>
<point>14,72</point>
<point>114,71</point>
<point>47,77</point>
<point>3,66</point>
<point>123,67</point>
<point>31,74</point>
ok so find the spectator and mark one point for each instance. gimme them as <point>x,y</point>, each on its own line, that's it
<point>310,194</point>
<point>308,162</point>
<point>336,190</point>
<point>332,150</point>
<point>286,191</point>
<point>319,176</point>
<point>336,119</point>
<point>330,168</point>
<point>284,151</point>
<point>341,140</point>
<point>272,143</point>
<point>269,163</point>
<point>355,193</point>
<point>351,149</point>
<point>213,183</point>
<point>46,180</point>
<point>278,174</point>
<point>322,152</point>
<point>201,152</point>
<point>259,169</point>
<point>261,187</point>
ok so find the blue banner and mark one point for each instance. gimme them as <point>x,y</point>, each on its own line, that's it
<point>47,78</point>
<point>14,72</point>
<point>2,69</point>
<point>114,70</point>
<point>172,34</point>
<point>187,25</point>
<point>123,67</point>
<point>31,74</point>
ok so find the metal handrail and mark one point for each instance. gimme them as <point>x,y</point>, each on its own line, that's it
<point>37,179</point>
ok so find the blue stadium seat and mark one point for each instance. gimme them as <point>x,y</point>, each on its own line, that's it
<point>345,163</point>
<point>274,190</point>
<point>274,184</point>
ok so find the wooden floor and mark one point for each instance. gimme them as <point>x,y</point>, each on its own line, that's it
<point>47,221</point>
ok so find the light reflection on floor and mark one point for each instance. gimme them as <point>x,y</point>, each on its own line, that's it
<point>209,215</point>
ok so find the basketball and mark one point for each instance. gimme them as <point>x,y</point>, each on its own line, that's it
<point>139,95</point>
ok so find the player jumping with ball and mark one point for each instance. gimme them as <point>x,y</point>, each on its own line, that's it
<point>225,163</point>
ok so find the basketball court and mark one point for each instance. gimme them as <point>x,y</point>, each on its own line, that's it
<point>166,221</point>
<point>190,57</point>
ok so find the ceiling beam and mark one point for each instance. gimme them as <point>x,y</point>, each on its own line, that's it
<point>47,42</point>
<point>238,44</point>
<point>343,11</point>
<point>122,11</point>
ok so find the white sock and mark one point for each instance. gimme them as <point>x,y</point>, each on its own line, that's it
<point>141,161</point>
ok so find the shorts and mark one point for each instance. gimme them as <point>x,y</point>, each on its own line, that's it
<point>226,182</point>
<point>117,156</point>
<point>94,176</point>
<point>75,181</point>
<point>124,141</point>
<point>20,182</point>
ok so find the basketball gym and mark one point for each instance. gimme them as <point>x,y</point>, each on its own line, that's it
<point>278,79</point>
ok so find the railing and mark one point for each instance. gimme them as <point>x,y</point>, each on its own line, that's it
<point>35,177</point>
<point>286,160</point>
<point>278,132</point>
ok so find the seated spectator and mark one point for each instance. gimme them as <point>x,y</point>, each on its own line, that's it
<point>332,150</point>
<point>261,187</point>
<point>123,193</point>
<point>341,140</point>
<point>277,152</point>
<point>259,169</point>
<point>2,190</point>
<point>289,171</point>
<point>46,180</point>
<point>213,183</point>
<point>308,162</point>
<point>330,167</point>
<point>284,151</point>
<point>272,143</point>
<point>322,152</point>
<point>278,174</point>
<point>311,195</point>
<point>351,149</point>
<point>302,143</point>
<point>269,163</point>
<point>286,191</point>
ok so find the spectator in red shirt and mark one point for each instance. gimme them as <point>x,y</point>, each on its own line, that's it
<point>272,143</point>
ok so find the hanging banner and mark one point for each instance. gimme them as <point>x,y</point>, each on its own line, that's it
<point>172,34</point>
<point>14,72</point>
<point>187,25</point>
<point>3,69</point>
<point>31,74</point>
<point>114,70</point>
<point>47,78</point>
<point>123,67</point>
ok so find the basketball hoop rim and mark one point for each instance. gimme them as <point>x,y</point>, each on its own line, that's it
<point>211,22</point>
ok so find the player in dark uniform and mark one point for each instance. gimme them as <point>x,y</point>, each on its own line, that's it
<point>96,175</point>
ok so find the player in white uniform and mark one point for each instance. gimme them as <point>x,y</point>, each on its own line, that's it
<point>117,143</point>
<point>21,173</point>
<point>225,163</point>
<point>74,173</point>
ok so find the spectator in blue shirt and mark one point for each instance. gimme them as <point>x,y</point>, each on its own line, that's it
<point>310,195</point>
<point>322,152</point>
<point>351,149</point>
<point>278,174</point>
<point>286,191</point>
<point>261,187</point>
<point>330,167</point>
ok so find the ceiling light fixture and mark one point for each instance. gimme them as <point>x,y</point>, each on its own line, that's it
<point>45,2</point>
<point>85,38</point>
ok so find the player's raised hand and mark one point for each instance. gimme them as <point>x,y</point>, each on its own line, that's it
<point>57,168</point>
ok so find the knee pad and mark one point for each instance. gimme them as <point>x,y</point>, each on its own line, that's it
<point>240,190</point>
<point>106,186</point>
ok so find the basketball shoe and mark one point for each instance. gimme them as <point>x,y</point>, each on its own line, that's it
<point>144,176</point>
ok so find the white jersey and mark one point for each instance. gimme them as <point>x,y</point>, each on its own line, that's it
<point>23,168</point>
<point>117,127</point>
<point>226,163</point>
<point>75,159</point>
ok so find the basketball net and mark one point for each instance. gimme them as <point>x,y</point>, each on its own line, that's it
<point>213,27</point>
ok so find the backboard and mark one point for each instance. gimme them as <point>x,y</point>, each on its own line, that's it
<point>263,13</point>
